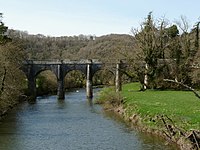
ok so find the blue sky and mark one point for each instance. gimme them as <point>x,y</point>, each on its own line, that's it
<point>99,17</point>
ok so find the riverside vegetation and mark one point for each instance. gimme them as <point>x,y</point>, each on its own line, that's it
<point>12,81</point>
<point>169,113</point>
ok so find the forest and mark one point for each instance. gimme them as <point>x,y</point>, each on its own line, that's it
<point>157,50</point>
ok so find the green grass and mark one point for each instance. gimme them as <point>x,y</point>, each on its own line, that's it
<point>183,107</point>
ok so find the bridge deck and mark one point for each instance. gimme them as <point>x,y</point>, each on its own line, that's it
<point>57,62</point>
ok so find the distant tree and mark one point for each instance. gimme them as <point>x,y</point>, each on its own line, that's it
<point>172,31</point>
<point>3,38</point>
<point>185,37</point>
<point>195,73</point>
<point>186,54</point>
<point>196,43</point>
<point>3,30</point>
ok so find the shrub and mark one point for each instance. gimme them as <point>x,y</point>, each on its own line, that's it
<point>110,97</point>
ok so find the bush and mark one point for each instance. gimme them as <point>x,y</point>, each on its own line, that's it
<point>110,97</point>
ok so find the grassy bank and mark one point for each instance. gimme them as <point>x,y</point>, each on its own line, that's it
<point>176,114</point>
<point>181,106</point>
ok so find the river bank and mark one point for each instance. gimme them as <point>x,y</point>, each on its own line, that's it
<point>5,108</point>
<point>163,113</point>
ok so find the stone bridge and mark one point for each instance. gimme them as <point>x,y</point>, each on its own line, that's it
<point>61,67</point>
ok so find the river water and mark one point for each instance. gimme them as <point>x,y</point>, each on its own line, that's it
<point>73,124</point>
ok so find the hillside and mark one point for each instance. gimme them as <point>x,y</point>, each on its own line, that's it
<point>113,46</point>
<point>74,47</point>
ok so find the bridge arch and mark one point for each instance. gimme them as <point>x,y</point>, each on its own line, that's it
<point>61,67</point>
<point>44,70</point>
<point>69,68</point>
<point>104,76</point>
<point>46,81</point>
<point>74,78</point>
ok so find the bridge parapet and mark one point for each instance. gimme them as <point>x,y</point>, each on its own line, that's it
<point>59,62</point>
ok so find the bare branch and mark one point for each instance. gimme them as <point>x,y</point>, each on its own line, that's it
<point>184,85</point>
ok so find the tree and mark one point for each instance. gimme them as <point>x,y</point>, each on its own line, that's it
<point>186,53</point>
<point>151,40</point>
<point>3,30</point>
<point>174,51</point>
<point>196,42</point>
<point>172,31</point>
<point>11,77</point>
<point>3,38</point>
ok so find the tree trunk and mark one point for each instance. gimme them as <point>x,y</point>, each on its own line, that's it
<point>145,77</point>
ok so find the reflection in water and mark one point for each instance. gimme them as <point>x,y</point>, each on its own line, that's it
<point>90,101</point>
<point>61,104</point>
<point>72,124</point>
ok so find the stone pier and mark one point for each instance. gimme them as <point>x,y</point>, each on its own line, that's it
<point>89,90</point>
<point>60,81</point>
<point>118,85</point>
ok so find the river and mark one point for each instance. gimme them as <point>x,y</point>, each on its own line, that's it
<point>72,124</point>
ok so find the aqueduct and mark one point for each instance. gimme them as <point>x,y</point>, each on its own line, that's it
<point>61,67</point>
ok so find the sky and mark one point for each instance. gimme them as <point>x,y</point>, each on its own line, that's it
<point>91,17</point>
